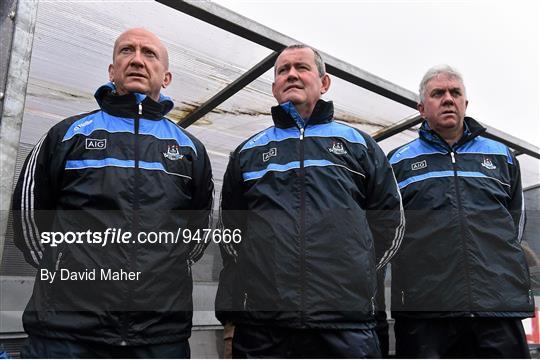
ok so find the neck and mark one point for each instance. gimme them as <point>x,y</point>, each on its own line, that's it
<point>305,111</point>
<point>451,136</point>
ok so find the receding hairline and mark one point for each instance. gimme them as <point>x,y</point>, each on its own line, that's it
<point>159,43</point>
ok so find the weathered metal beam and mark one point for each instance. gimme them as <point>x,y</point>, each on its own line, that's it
<point>262,35</point>
<point>398,127</point>
<point>519,145</point>
<point>237,24</point>
<point>7,25</point>
<point>18,67</point>
<point>230,89</point>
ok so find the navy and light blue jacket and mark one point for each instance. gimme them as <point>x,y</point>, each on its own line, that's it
<point>124,167</point>
<point>461,253</point>
<point>319,210</point>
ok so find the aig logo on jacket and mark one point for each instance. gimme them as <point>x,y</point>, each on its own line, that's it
<point>269,154</point>
<point>96,144</point>
<point>419,165</point>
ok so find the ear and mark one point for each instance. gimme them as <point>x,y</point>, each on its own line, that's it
<point>167,79</point>
<point>325,83</point>
<point>466,103</point>
<point>274,89</point>
<point>420,108</point>
<point>111,72</point>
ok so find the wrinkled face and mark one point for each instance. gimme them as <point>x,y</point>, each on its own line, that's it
<point>444,103</point>
<point>140,64</point>
<point>297,79</point>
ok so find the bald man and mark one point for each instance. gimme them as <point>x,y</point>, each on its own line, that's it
<point>95,210</point>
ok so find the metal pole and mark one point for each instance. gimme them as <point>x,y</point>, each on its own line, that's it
<point>228,20</point>
<point>22,13</point>
<point>230,89</point>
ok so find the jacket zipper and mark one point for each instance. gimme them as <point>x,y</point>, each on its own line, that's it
<point>135,225</point>
<point>461,229</point>
<point>245,301</point>
<point>302,175</point>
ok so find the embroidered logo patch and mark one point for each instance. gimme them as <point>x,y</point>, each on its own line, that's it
<point>269,154</point>
<point>173,153</point>
<point>488,164</point>
<point>96,144</point>
<point>419,165</point>
<point>337,148</point>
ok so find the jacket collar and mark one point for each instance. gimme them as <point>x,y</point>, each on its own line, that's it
<point>285,115</point>
<point>471,129</point>
<point>128,105</point>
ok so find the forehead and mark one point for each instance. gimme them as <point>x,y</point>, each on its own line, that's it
<point>444,81</point>
<point>139,37</point>
<point>305,55</point>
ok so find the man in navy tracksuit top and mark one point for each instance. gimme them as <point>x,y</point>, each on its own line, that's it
<point>460,285</point>
<point>319,210</point>
<point>122,169</point>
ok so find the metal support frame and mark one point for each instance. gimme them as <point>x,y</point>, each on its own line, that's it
<point>262,35</point>
<point>230,89</point>
<point>520,147</point>
<point>239,25</point>
<point>392,130</point>
<point>18,68</point>
<point>7,25</point>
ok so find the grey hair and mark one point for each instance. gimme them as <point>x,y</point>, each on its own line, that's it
<point>433,72</point>
<point>321,67</point>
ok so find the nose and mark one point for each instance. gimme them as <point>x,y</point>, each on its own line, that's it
<point>447,99</point>
<point>136,60</point>
<point>292,75</point>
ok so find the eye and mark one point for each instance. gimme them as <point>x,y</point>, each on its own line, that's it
<point>149,53</point>
<point>125,50</point>
<point>437,93</point>
<point>456,92</point>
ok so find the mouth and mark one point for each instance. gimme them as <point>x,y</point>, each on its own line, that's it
<point>137,75</point>
<point>291,87</point>
<point>448,112</point>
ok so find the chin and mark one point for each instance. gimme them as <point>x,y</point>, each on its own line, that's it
<point>137,89</point>
<point>294,99</point>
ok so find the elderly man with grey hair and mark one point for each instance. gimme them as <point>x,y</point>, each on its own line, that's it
<point>460,285</point>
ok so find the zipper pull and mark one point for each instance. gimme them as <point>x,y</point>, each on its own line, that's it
<point>453,157</point>
<point>403,297</point>
<point>189,263</point>
<point>58,261</point>
<point>140,108</point>
<point>301,133</point>
<point>372,306</point>
<point>245,301</point>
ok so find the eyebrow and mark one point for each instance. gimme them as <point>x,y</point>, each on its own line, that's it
<point>444,89</point>
<point>144,46</point>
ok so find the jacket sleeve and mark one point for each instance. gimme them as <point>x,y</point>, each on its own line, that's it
<point>517,203</point>
<point>33,201</point>
<point>202,203</point>
<point>383,205</point>
<point>232,218</point>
